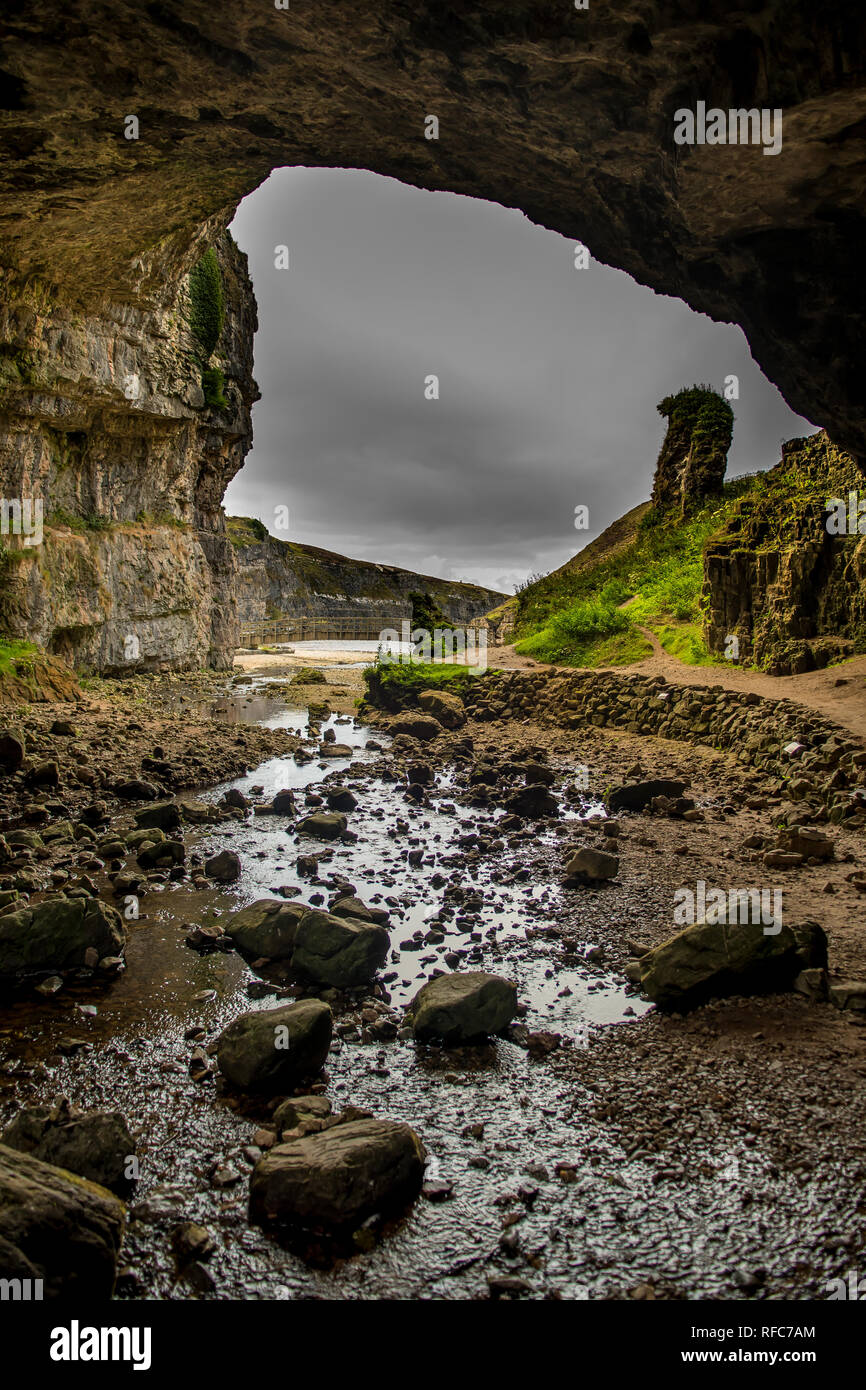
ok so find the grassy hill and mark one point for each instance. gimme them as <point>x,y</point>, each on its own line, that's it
<point>646,570</point>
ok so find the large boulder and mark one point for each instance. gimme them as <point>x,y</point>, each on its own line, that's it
<point>266,928</point>
<point>420,726</point>
<point>58,1228</point>
<point>339,951</point>
<point>58,934</point>
<point>273,1050</point>
<point>719,958</point>
<point>462,1007</point>
<point>634,796</point>
<point>338,1177</point>
<point>323,825</point>
<point>444,706</point>
<point>96,1144</point>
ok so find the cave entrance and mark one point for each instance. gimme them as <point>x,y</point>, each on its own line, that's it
<point>448,387</point>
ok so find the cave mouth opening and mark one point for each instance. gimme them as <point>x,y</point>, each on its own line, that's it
<point>444,383</point>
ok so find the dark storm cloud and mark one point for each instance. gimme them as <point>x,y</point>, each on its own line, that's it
<point>549,378</point>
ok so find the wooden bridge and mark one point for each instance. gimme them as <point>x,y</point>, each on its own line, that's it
<point>351,627</point>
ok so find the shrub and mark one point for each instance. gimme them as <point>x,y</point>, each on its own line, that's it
<point>207,303</point>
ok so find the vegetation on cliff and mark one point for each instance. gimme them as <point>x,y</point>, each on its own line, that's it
<point>206,319</point>
<point>663,571</point>
<point>654,579</point>
<point>427,614</point>
<point>395,685</point>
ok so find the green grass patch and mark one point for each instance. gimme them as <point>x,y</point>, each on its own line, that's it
<point>686,642</point>
<point>396,685</point>
<point>591,617</point>
<point>14,655</point>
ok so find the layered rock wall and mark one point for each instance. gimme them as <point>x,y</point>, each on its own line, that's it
<point>283,579</point>
<point>104,423</point>
<point>790,589</point>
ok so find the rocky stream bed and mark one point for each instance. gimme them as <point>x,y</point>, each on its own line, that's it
<point>595,1147</point>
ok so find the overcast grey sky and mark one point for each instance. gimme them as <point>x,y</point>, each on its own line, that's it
<point>548,378</point>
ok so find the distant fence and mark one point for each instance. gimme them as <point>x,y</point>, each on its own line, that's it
<point>355,627</point>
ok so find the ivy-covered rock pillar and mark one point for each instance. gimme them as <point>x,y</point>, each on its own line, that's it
<point>694,455</point>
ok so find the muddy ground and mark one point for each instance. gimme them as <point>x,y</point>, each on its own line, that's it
<point>717,1155</point>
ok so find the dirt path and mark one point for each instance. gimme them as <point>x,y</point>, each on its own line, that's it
<point>838,693</point>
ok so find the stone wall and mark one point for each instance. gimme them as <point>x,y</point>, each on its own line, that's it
<point>817,763</point>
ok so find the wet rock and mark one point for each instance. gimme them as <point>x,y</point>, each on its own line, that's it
<point>46,774</point>
<point>634,796</point>
<point>164,854</point>
<point>164,815</point>
<point>339,1177</point>
<point>339,951</point>
<point>96,1144</point>
<point>421,726</point>
<point>273,1050</point>
<point>198,812</point>
<point>61,1229</point>
<point>323,825</point>
<point>534,801</point>
<point>189,1242</point>
<point>300,1108</point>
<point>340,799</point>
<point>462,1007</point>
<point>437,1190</point>
<point>136,790</point>
<point>57,934</point>
<point>266,928</point>
<point>448,709</point>
<point>284,803</point>
<point>711,959</point>
<point>224,867</point>
<point>12,751</point>
<point>591,866</point>
<point>541,1044</point>
<point>351,906</point>
<point>335,750</point>
<point>235,797</point>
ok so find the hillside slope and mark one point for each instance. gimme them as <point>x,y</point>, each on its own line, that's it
<point>285,578</point>
<point>754,561</point>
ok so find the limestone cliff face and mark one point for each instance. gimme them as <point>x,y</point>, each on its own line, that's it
<point>793,593</point>
<point>285,579</point>
<point>103,419</point>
